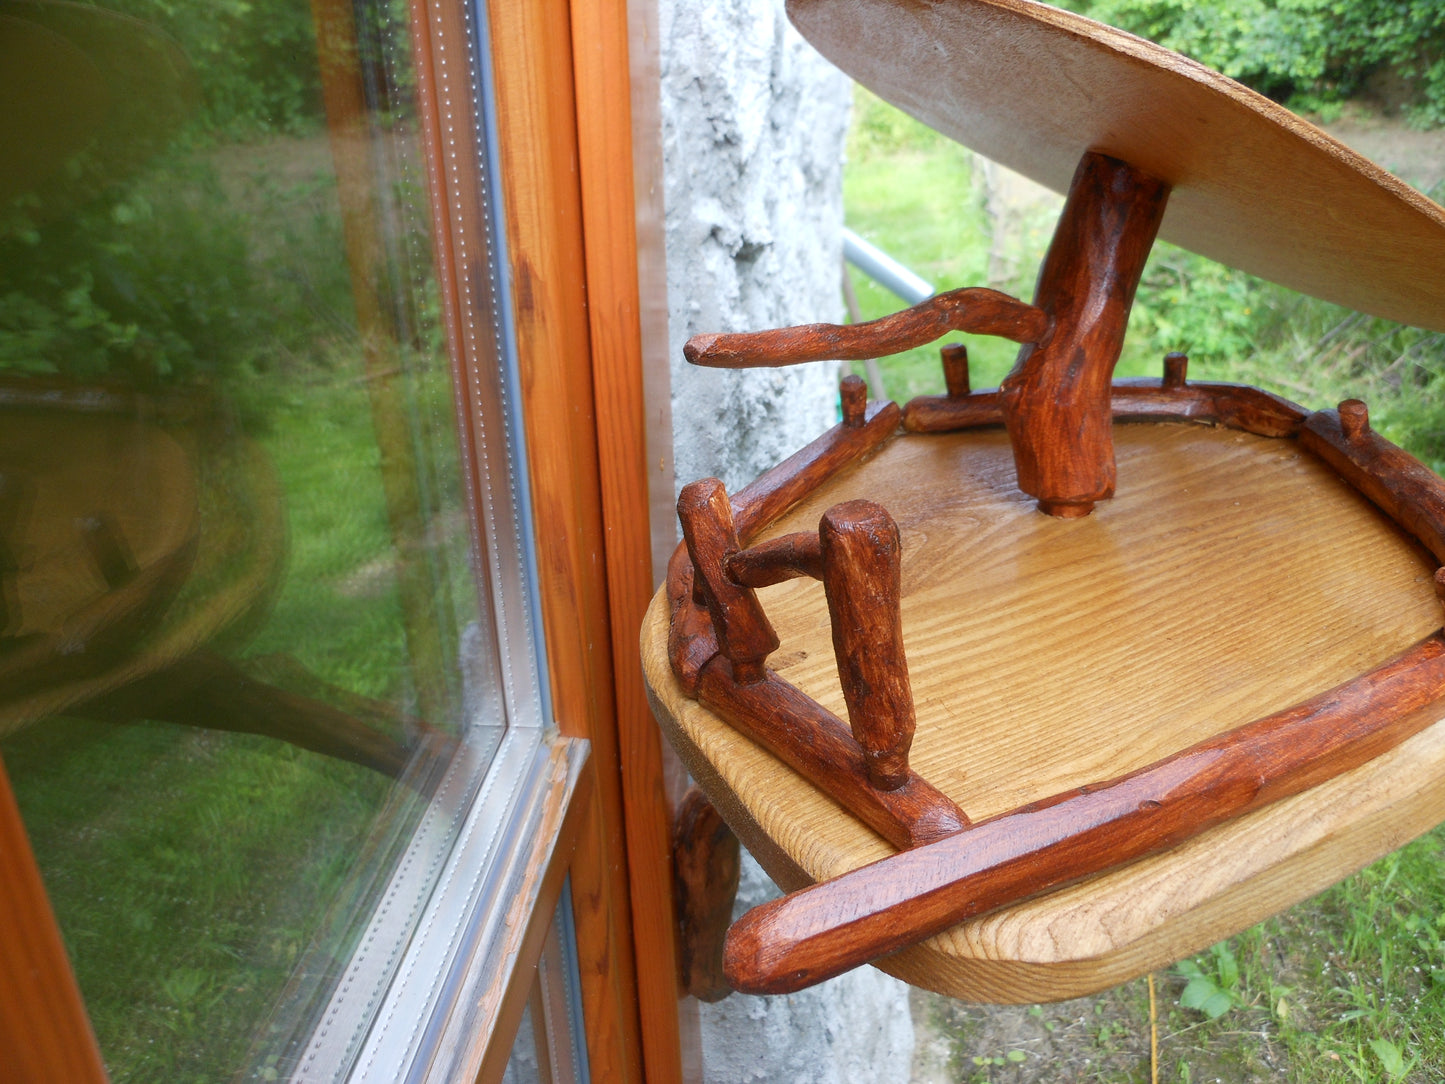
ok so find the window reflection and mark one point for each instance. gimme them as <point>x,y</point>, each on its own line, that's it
<point>239,633</point>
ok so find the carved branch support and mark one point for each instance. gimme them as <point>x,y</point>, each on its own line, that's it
<point>1056,400</point>
<point>863,578</point>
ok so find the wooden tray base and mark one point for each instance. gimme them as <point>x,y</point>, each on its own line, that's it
<point>1233,576</point>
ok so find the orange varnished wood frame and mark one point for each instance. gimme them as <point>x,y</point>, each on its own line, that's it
<point>563,120</point>
<point>45,1034</point>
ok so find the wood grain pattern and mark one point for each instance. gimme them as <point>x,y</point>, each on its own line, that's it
<point>820,932</point>
<point>537,134</point>
<point>706,863</point>
<point>652,781</point>
<point>45,1034</point>
<point>1056,400</point>
<point>1156,678</point>
<point>862,581</point>
<point>1256,187</point>
<point>973,309</point>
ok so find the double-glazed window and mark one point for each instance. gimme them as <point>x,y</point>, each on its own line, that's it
<point>271,700</point>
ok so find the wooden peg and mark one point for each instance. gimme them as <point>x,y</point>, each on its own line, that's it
<point>1176,369</point>
<point>1056,401</point>
<point>706,867</point>
<point>862,576</point>
<point>744,634</point>
<point>955,369</point>
<point>854,392</point>
<point>776,560</point>
<point>1354,420</point>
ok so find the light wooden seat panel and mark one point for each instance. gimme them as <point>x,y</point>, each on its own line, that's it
<point>1232,576</point>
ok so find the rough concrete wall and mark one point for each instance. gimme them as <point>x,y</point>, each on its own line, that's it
<point>753,129</point>
<point>753,126</point>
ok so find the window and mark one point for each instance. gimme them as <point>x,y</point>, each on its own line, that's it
<point>271,696</point>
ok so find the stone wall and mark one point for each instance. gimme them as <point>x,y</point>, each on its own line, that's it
<point>753,129</point>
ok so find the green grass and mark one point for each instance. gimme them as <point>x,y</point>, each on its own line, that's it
<point>1350,985</point>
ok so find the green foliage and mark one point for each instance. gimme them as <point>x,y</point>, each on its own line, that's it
<point>1212,989</point>
<point>1309,53</point>
<point>255,60</point>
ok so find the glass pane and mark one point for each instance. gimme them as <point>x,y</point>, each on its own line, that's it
<point>241,641</point>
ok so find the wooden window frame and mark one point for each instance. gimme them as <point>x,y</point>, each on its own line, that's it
<point>565,93</point>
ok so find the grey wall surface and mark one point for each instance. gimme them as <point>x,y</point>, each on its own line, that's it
<point>753,126</point>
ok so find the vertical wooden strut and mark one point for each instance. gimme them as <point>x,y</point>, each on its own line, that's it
<point>744,635</point>
<point>862,576</point>
<point>1055,402</point>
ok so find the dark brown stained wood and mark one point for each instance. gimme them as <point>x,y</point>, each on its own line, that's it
<point>777,489</point>
<point>823,931</point>
<point>776,560</point>
<point>1176,371</point>
<point>1033,87</point>
<point>691,642</point>
<point>863,579</point>
<point>1399,484</point>
<point>1354,420</point>
<point>945,413</point>
<point>1056,400</point>
<point>45,1034</point>
<point>742,630</point>
<point>706,865</point>
<point>816,743</point>
<point>955,369</point>
<point>854,395</point>
<point>973,309</point>
<point>1236,406</point>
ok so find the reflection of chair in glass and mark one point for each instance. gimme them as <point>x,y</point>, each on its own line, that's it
<point>1168,713</point>
<point>133,549</point>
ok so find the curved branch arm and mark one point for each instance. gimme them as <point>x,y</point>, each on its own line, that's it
<point>974,309</point>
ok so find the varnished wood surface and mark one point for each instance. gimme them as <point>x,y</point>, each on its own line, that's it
<point>1232,577</point>
<point>706,865</point>
<point>1256,187</point>
<point>822,931</point>
<point>652,780</point>
<point>45,1034</point>
<point>1056,400</point>
<point>973,309</point>
<point>1135,399</point>
<point>537,120</point>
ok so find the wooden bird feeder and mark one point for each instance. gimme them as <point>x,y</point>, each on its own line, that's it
<point>1203,685</point>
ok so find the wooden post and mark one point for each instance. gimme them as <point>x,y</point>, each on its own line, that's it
<point>1056,400</point>
<point>862,575</point>
<point>744,635</point>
